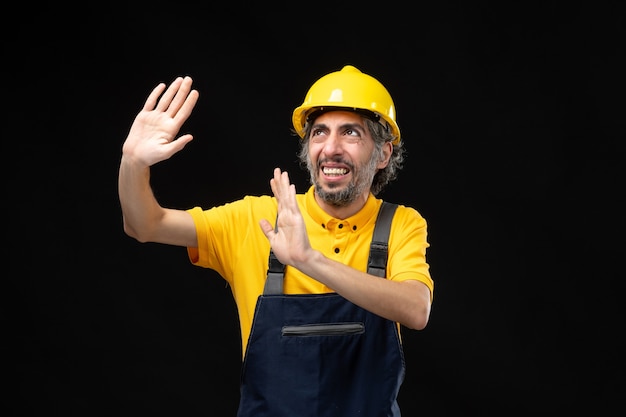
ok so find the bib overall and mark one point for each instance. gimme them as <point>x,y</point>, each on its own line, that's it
<point>319,355</point>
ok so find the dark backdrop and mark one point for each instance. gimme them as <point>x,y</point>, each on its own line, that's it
<point>513,118</point>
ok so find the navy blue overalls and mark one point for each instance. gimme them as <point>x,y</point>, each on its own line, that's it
<point>319,355</point>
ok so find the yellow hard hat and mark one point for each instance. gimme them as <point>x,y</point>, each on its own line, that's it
<point>349,89</point>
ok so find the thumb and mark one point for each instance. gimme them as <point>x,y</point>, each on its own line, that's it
<point>267,228</point>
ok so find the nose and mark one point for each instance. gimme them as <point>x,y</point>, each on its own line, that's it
<point>332,145</point>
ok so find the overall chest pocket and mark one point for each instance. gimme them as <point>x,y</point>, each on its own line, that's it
<point>323,329</point>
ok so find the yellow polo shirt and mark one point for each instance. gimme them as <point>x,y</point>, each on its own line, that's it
<point>231,242</point>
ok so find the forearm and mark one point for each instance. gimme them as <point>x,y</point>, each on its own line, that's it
<point>140,209</point>
<point>405,302</point>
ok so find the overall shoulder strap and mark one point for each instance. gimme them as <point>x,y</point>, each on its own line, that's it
<point>275,274</point>
<point>377,262</point>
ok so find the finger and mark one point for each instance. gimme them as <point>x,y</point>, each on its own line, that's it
<point>267,228</point>
<point>275,182</point>
<point>178,144</point>
<point>170,93</point>
<point>292,192</point>
<point>153,97</point>
<point>187,107</point>
<point>277,173</point>
<point>287,188</point>
<point>282,185</point>
<point>181,97</point>
<point>285,179</point>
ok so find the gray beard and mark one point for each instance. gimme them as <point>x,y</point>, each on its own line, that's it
<point>340,198</point>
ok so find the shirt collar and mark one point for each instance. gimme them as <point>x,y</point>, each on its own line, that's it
<point>356,222</point>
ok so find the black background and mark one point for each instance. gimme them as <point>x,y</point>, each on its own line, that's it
<point>514,123</point>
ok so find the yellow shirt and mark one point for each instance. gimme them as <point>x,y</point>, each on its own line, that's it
<point>231,242</point>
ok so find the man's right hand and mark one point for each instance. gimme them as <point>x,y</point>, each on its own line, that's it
<point>152,139</point>
<point>152,136</point>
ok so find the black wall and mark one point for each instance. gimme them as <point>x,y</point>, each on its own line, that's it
<point>514,123</point>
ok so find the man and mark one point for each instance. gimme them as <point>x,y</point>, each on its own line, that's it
<point>327,342</point>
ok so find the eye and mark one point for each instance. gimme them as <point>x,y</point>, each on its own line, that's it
<point>352,135</point>
<point>317,135</point>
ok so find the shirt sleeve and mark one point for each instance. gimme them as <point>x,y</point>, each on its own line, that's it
<point>407,248</point>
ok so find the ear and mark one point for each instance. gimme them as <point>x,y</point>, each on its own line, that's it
<point>387,151</point>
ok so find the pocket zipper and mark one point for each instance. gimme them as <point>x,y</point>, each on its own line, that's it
<point>328,329</point>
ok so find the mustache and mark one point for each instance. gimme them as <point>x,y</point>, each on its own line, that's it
<point>337,160</point>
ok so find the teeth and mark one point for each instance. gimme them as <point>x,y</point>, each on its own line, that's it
<point>335,171</point>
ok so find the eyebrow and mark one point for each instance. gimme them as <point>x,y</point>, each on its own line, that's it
<point>345,126</point>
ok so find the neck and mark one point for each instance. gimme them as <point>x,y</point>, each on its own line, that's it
<point>343,212</point>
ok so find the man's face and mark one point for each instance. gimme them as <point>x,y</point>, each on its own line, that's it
<point>342,161</point>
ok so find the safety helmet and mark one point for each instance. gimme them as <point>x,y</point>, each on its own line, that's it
<point>348,89</point>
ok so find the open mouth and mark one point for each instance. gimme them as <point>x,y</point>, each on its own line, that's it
<point>334,171</point>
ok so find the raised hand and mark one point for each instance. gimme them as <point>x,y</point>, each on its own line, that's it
<point>289,239</point>
<point>152,136</point>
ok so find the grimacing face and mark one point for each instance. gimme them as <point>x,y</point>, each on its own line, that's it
<point>343,158</point>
